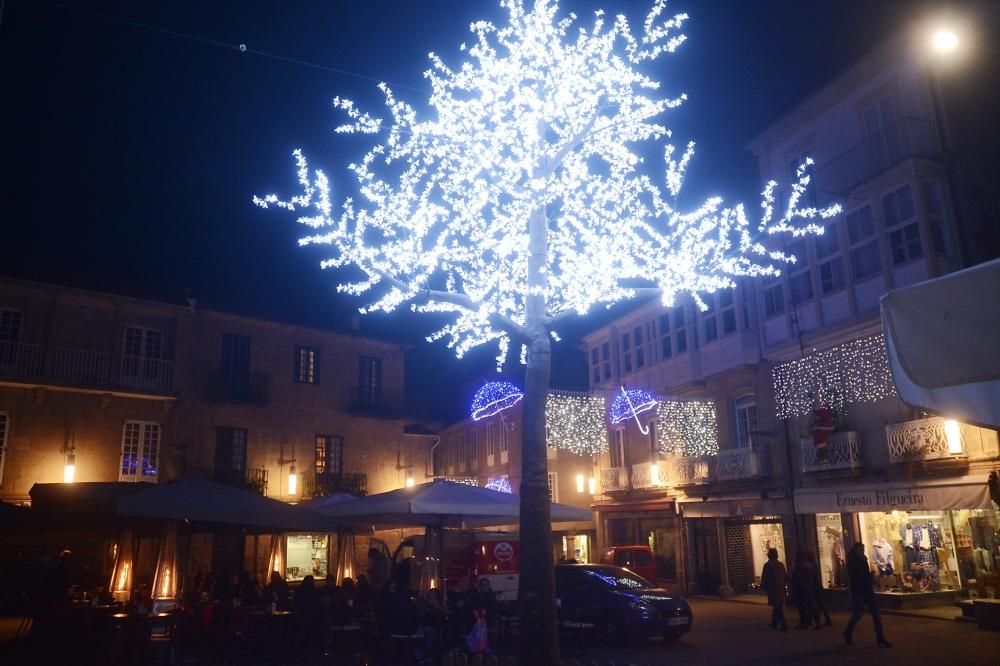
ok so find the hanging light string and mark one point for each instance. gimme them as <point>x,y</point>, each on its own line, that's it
<point>241,47</point>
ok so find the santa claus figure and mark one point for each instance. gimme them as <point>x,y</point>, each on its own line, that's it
<point>820,426</point>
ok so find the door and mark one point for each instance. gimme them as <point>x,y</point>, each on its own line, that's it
<point>235,369</point>
<point>230,455</point>
<point>705,547</point>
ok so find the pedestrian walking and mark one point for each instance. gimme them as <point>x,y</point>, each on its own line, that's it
<point>859,578</point>
<point>773,579</point>
<point>804,583</point>
<point>820,591</point>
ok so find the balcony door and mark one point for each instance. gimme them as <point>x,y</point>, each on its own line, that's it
<point>235,368</point>
<point>370,381</point>
<point>10,336</point>
<point>885,133</point>
<point>618,447</point>
<point>230,455</point>
<point>142,354</point>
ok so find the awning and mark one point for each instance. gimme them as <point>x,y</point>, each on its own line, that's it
<point>734,507</point>
<point>941,339</point>
<point>972,494</point>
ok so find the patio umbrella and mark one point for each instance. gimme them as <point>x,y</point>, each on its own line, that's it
<point>940,337</point>
<point>210,502</point>
<point>437,505</point>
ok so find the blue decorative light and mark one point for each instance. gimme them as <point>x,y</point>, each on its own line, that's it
<point>631,402</point>
<point>494,397</point>
<point>499,484</point>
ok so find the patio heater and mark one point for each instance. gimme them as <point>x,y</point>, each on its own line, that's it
<point>122,572</point>
<point>165,580</point>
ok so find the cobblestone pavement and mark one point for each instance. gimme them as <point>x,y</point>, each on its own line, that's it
<point>737,633</point>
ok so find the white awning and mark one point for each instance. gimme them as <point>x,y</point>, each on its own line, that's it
<point>973,494</point>
<point>941,338</point>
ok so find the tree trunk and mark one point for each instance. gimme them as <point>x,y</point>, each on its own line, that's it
<point>538,630</point>
<point>539,636</point>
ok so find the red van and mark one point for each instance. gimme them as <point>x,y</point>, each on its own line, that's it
<point>637,559</point>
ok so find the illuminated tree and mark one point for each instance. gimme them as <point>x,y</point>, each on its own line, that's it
<point>519,199</point>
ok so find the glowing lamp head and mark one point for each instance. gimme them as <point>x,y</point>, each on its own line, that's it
<point>944,40</point>
<point>69,471</point>
<point>953,435</point>
<point>592,485</point>
<point>410,482</point>
<point>631,402</point>
<point>579,483</point>
<point>293,481</point>
<point>494,397</point>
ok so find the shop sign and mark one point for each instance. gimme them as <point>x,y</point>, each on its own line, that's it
<point>931,498</point>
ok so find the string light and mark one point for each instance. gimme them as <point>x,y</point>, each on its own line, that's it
<point>494,397</point>
<point>540,119</point>
<point>499,484</point>
<point>855,371</point>
<point>687,428</point>
<point>629,403</point>
<point>574,422</point>
<point>465,480</point>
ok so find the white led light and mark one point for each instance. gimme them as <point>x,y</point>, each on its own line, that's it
<point>541,120</point>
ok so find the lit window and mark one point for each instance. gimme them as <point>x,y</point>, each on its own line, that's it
<point>306,365</point>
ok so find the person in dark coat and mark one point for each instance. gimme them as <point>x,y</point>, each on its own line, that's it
<point>773,578</point>
<point>859,578</point>
<point>803,579</point>
<point>820,591</point>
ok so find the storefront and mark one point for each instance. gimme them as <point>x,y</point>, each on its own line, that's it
<point>307,555</point>
<point>933,540</point>
<point>653,524</point>
<point>742,530</point>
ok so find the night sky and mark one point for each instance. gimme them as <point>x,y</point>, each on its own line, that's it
<point>131,147</point>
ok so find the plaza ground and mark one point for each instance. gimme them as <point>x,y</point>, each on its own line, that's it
<point>727,632</point>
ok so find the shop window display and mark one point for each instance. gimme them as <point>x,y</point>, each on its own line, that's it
<point>830,550</point>
<point>977,545</point>
<point>911,551</point>
<point>763,537</point>
<point>306,556</point>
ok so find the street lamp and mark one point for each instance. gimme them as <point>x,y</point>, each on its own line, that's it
<point>945,40</point>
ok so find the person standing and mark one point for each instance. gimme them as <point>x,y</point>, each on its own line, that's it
<point>773,579</point>
<point>859,577</point>
<point>804,591</point>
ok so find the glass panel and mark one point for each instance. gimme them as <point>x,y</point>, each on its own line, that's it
<point>911,552</point>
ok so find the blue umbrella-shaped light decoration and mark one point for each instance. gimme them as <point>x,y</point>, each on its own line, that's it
<point>494,397</point>
<point>499,484</point>
<point>630,403</point>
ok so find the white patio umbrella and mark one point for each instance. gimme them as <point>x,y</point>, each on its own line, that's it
<point>941,339</point>
<point>437,505</point>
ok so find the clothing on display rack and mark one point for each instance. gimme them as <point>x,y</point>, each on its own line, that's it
<point>883,557</point>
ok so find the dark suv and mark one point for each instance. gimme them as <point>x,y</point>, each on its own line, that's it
<point>618,603</point>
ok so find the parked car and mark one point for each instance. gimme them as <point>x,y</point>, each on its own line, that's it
<point>637,559</point>
<point>619,604</point>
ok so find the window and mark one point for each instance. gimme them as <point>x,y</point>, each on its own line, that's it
<point>595,364</point>
<point>370,380</point>
<point>800,286</point>
<point>626,353</point>
<point>746,421</point>
<point>306,369</point>
<point>865,259</point>
<point>652,439</point>
<point>774,299</point>
<point>618,447</point>
<point>10,325</point>
<point>140,452</point>
<point>329,455</point>
<point>640,356</point>
<point>230,455</point>
<point>829,259</point>
<point>708,320</point>
<point>4,421</point>
<point>236,367</point>
<point>885,134</point>
<point>470,443</point>
<point>934,204</point>
<point>504,452</point>
<point>553,487</point>
<point>491,445</point>
<point>665,347</point>
<point>680,331</point>
<point>606,359</point>
<point>142,352</point>
<point>901,226</point>
<point>727,307</point>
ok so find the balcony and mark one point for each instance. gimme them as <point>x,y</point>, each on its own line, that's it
<point>255,389</point>
<point>41,364</point>
<point>898,141</point>
<point>843,452</point>
<point>740,464</point>
<point>689,470</point>
<point>331,483</point>
<point>387,404</point>
<point>252,478</point>
<point>649,476</point>
<point>924,439</point>
<point>614,480</point>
